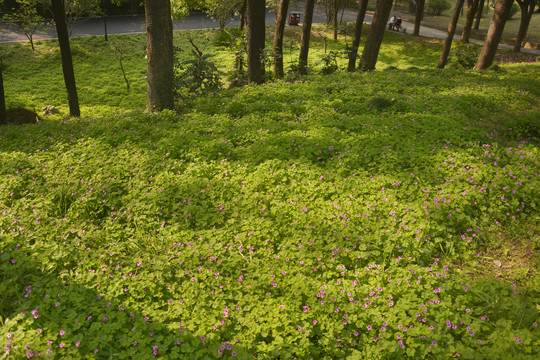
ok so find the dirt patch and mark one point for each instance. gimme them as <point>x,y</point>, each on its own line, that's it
<point>510,57</point>
<point>19,116</point>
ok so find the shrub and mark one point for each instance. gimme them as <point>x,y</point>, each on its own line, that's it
<point>438,6</point>
<point>328,63</point>
<point>196,75</point>
<point>513,11</point>
<point>467,55</point>
<point>379,102</point>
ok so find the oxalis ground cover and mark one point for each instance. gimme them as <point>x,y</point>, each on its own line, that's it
<point>340,216</point>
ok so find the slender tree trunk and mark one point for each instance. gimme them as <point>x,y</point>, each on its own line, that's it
<point>243,15</point>
<point>419,16</point>
<point>450,34</point>
<point>59,16</point>
<point>479,13</point>
<point>306,33</point>
<point>353,54</point>
<point>3,115</point>
<point>527,9</point>
<point>159,47</point>
<point>472,7</point>
<point>256,12</point>
<point>375,36</point>
<point>281,17</point>
<point>335,9</point>
<point>493,37</point>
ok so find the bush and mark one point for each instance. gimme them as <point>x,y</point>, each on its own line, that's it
<point>379,102</point>
<point>467,55</point>
<point>513,10</point>
<point>438,6</point>
<point>197,75</point>
<point>328,63</point>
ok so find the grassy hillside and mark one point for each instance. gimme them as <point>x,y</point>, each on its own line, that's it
<point>391,214</point>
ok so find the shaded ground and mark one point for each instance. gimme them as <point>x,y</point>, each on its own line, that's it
<point>19,116</point>
<point>509,57</point>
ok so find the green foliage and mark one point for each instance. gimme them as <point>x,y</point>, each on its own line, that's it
<point>222,10</point>
<point>27,16</point>
<point>328,63</point>
<point>513,10</point>
<point>196,75</point>
<point>286,220</point>
<point>437,7</point>
<point>379,102</point>
<point>467,54</point>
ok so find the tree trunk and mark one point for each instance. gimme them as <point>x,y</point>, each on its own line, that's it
<point>59,16</point>
<point>450,34</point>
<point>419,16</point>
<point>472,6</point>
<point>281,17</point>
<point>353,54</point>
<point>479,13</point>
<point>159,50</point>
<point>256,12</point>
<point>3,115</point>
<point>335,20</point>
<point>527,9</point>
<point>375,36</point>
<point>243,15</point>
<point>493,37</point>
<point>306,33</point>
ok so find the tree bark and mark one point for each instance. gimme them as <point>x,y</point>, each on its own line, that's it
<point>281,17</point>
<point>335,18</point>
<point>256,13</point>
<point>419,16</point>
<point>306,33</point>
<point>243,15</point>
<point>159,48</point>
<point>493,37</point>
<point>450,34</point>
<point>479,13</point>
<point>527,9</point>
<point>59,15</point>
<point>472,7</point>
<point>3,115</point>
<point>375,36</point>
<point>353,54</point>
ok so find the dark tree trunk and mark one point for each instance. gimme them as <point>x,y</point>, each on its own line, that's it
<point>419,16</point>
<point>479,13</point>
<point>256,12</point>
<point>306,33</point>
<point>159,48</point>
<point>243,15</point>
<point>375,36</point>
<point>353,54</point>
<point>493,37</point>
<point>527,9</point>
<point>3,115</point>
<point>472,6</point>
<point>59,16</point>
<point>450,34</point>
<point>335,20</point>
<point>281,17</point>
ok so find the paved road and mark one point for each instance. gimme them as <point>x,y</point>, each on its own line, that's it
<point>136,25</point>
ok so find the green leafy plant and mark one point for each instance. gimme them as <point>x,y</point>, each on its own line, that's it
<point>438,6</point>
<point>328,63</point>
<point>198,74</point>
<point>467,54</point>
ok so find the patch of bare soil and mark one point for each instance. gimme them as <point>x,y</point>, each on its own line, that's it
<point>510,57</point>
<point>19,116</point>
